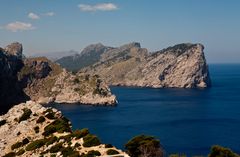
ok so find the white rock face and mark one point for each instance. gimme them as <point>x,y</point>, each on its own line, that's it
<point>180,66</point>
<point>13,131</point>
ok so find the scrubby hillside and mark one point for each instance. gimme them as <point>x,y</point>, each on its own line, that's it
<point>29,129</point>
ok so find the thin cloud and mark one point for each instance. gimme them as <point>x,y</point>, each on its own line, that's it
<point>33,16</point>
<point>19,26</point>
<point>98,7</point>
<point>49,14</point>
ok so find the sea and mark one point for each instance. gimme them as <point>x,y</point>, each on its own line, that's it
<point>186,121</point>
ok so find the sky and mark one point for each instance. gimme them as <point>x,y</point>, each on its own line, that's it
<point>59,25</point>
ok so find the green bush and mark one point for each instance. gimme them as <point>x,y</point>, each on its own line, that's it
<point>142,143</point>
<point>59,125</point>
<point>91,140</point>
<point>35,144</point>
<point>56,148</point>
<point>112,152</point>
<point>51,140</point>
<point>48,111</point>
<point>16,145</point>
<point>108,146</point>
<point>2,122</point>
<point>20,152</point>
<point>80,133</point>
<point>69,152</point>
<point>26,114</point>
<point>77,145</point>
<point>51,115</point>
<point>218,151</point>
<point>67,138</point>
<point>11,154</point>
<point>94,153</point>
<point>41,119</point>
<point>25,141</point>
<point>36,129</point>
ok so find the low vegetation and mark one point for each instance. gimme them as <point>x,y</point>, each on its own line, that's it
<point>59,125</point>
<point>91,140</point>
<point>36,144</point>
<point>143,145</point>
<point>80,133</point>
<point>2,122</point>
<point>41,119</point>
<point>218,151</point>
<point>112,152</point>
<point>26,114</point>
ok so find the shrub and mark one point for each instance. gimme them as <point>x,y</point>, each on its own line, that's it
<point>25,141</point>
<point>69,152</point>
<point>11,154</point>
<point>112,152</point>
<point>36,129</point>
<point>41,119</point>
<point>218,151</point>
<point>93,153</point>
<point>48,111</point>
<point>91,140</point>
<point>16,145</point>
<point>59,125</point>
<point>77,145</point>
<point>20,152</point>
<point>26,114</point>
<point>2,122</point>
<point>76,81</point>
<point>108,146</point>
<point>56,148</point>
<point>51,140</point>
<point>66,138</point>
<point>51,115</point>
<point>35,144</point>
<point>80,133</point>
<point>145,146</point>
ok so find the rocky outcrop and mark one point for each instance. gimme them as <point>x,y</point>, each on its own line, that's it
<point>46,82</point>
<point>180,66</point>
<point>41,80</point>
<point>29,129</point>
<point>10,63</point>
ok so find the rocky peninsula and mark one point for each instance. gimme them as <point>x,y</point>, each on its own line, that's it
<point>41,80</point>
<point>180,66</point>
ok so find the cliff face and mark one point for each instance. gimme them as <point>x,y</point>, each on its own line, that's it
<point>10,63</point>
<point>29,129</point>
<point>41,80</point>
<point>180,66</point>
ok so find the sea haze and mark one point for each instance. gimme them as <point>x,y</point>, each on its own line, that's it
<point>187,121</point>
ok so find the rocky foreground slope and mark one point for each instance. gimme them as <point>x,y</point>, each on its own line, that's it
<point>30,130</point>
<point>181,66</point>
<point>41,80</point>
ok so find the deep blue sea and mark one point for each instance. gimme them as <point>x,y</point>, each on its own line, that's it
<point>185,120</point>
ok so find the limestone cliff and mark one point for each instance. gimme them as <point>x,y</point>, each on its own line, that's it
<point>10,64</point>
<point>29,129</point>
<point>41,80</point>
<point>180,66</point>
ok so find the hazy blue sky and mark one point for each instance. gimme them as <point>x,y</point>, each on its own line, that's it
<point>57,25</point>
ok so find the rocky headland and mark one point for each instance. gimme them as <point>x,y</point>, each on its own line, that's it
<point>179,66</point>
<point>41,80</point>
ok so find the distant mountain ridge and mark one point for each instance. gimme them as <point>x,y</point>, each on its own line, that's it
<point>181,66</point>
<point>53,56</point>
